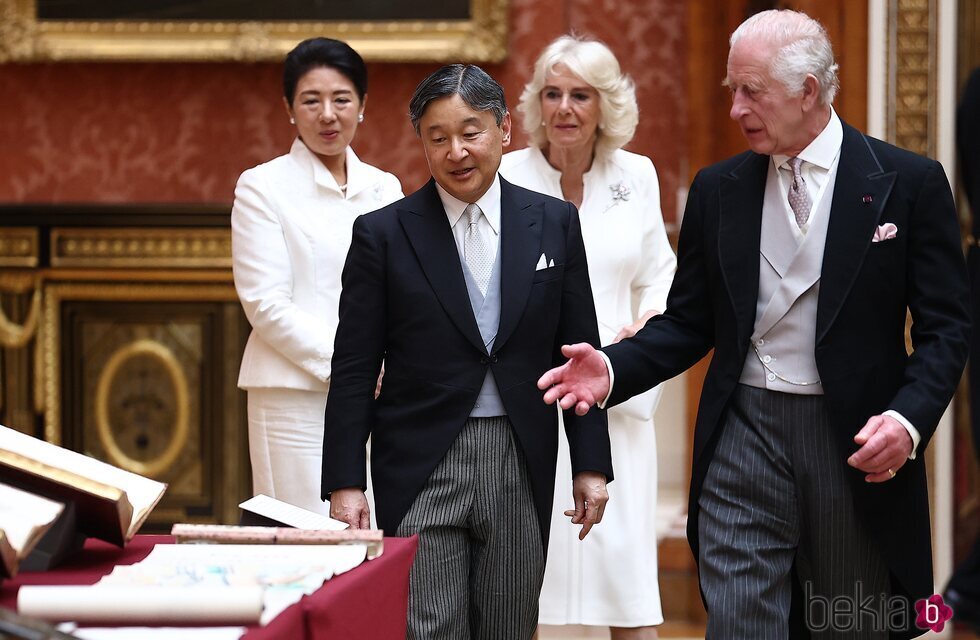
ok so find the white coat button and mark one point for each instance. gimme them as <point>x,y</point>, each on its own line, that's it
<point>760,342</point>
<point>771,377</point>
<point>767,359</point>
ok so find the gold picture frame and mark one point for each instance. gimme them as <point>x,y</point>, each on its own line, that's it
<point>25,38</point>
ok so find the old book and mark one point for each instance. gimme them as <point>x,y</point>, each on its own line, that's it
<point>373,539</point>
<point>111,503</point>
<point>24,519</point>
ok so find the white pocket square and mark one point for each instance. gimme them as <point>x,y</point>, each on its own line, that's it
<point>542,263</point>
<point>886,231</point>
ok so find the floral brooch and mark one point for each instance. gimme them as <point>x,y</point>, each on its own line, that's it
<point>620,193</point>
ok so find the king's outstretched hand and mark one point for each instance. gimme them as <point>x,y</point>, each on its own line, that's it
<point>581,382</point>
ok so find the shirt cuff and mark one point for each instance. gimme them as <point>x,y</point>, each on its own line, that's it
<point>913,432</point>
<point>612,379</point>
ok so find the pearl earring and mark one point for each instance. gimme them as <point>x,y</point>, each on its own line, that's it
<point>292,120</point>
<point>360,117</point>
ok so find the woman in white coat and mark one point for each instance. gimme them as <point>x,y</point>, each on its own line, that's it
<point>579,110</point>
<point>291,229</point>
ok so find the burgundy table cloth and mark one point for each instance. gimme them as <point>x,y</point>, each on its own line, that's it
<point>369,602</point>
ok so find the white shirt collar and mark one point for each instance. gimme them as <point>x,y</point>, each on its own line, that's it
<point>489,203</point>
<point>823,150</point>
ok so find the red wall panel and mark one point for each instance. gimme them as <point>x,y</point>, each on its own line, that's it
<point>182,132</point>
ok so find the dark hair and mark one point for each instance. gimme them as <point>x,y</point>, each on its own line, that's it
<point>468,81</point>
<point>323,52</point>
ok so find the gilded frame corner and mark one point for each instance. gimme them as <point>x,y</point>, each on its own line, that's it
<point>24,38</point>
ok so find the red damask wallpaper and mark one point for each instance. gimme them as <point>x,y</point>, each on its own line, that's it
<point>106,132</point>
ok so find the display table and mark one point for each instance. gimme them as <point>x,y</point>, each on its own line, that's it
<point>370,601</point>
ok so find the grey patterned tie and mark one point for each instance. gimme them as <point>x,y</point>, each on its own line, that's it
<point>476,251</point>
<point>799,197</point>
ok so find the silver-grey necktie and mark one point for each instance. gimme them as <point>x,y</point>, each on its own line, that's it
<point>476,250</point>
<point>799,197</point>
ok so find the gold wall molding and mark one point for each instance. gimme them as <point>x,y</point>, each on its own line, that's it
<point>141,248</point>
<point>50,331</point>
<point>17,32</point>
<point>23,37</point>
<point>121,333</point>
<point>108,429</point>
<point>15,336</point>
<point>19,245</point>
<point>912,63</point>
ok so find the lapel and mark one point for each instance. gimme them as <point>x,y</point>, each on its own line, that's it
<point>423,218</point>
<point>520,247</point>
<point>303,181</point>
<point>739,232</point>
<point>852,223</point>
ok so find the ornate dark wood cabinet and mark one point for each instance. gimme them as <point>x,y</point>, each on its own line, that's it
<point>121,337</point>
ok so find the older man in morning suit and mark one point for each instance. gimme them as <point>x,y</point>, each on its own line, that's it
<point>467,288</point>
<point>797,262</point>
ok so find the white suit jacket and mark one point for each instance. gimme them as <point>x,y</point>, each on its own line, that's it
<point>631,264</point>
<point>291,229</point>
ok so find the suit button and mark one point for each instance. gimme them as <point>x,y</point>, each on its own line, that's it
<point>767,359</point>
<point>760,342</point>
<point>493,359</point>
<point>484,360</point>
<point>771,377</point>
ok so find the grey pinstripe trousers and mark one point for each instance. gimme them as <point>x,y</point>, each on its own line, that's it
<point>776,491</point>
<point>480,563</point>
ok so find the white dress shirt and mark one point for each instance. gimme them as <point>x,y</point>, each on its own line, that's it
<point>820,160</point>
<point>488,226</point>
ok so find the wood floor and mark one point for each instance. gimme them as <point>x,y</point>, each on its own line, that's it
<point>666,631</point>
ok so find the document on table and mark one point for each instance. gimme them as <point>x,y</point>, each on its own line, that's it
<point>286,573</point>
<point>161,584</point>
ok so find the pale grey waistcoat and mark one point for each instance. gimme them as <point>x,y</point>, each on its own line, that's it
<point>781,354</point>
<point>487,312</point>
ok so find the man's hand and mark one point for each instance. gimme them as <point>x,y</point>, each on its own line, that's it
<point>350,505</point>
<point>589,491</point>
<point>581,382</point>
<point>885,446</point>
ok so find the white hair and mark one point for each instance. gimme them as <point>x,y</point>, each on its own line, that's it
<point>595,64</point>
<point>802,48</point>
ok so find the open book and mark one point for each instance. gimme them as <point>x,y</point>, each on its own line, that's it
<point>24,518</point>
<point>111,503</point>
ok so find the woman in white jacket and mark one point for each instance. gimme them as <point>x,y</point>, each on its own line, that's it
<point>291,229</point>
<point>579,109</point>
